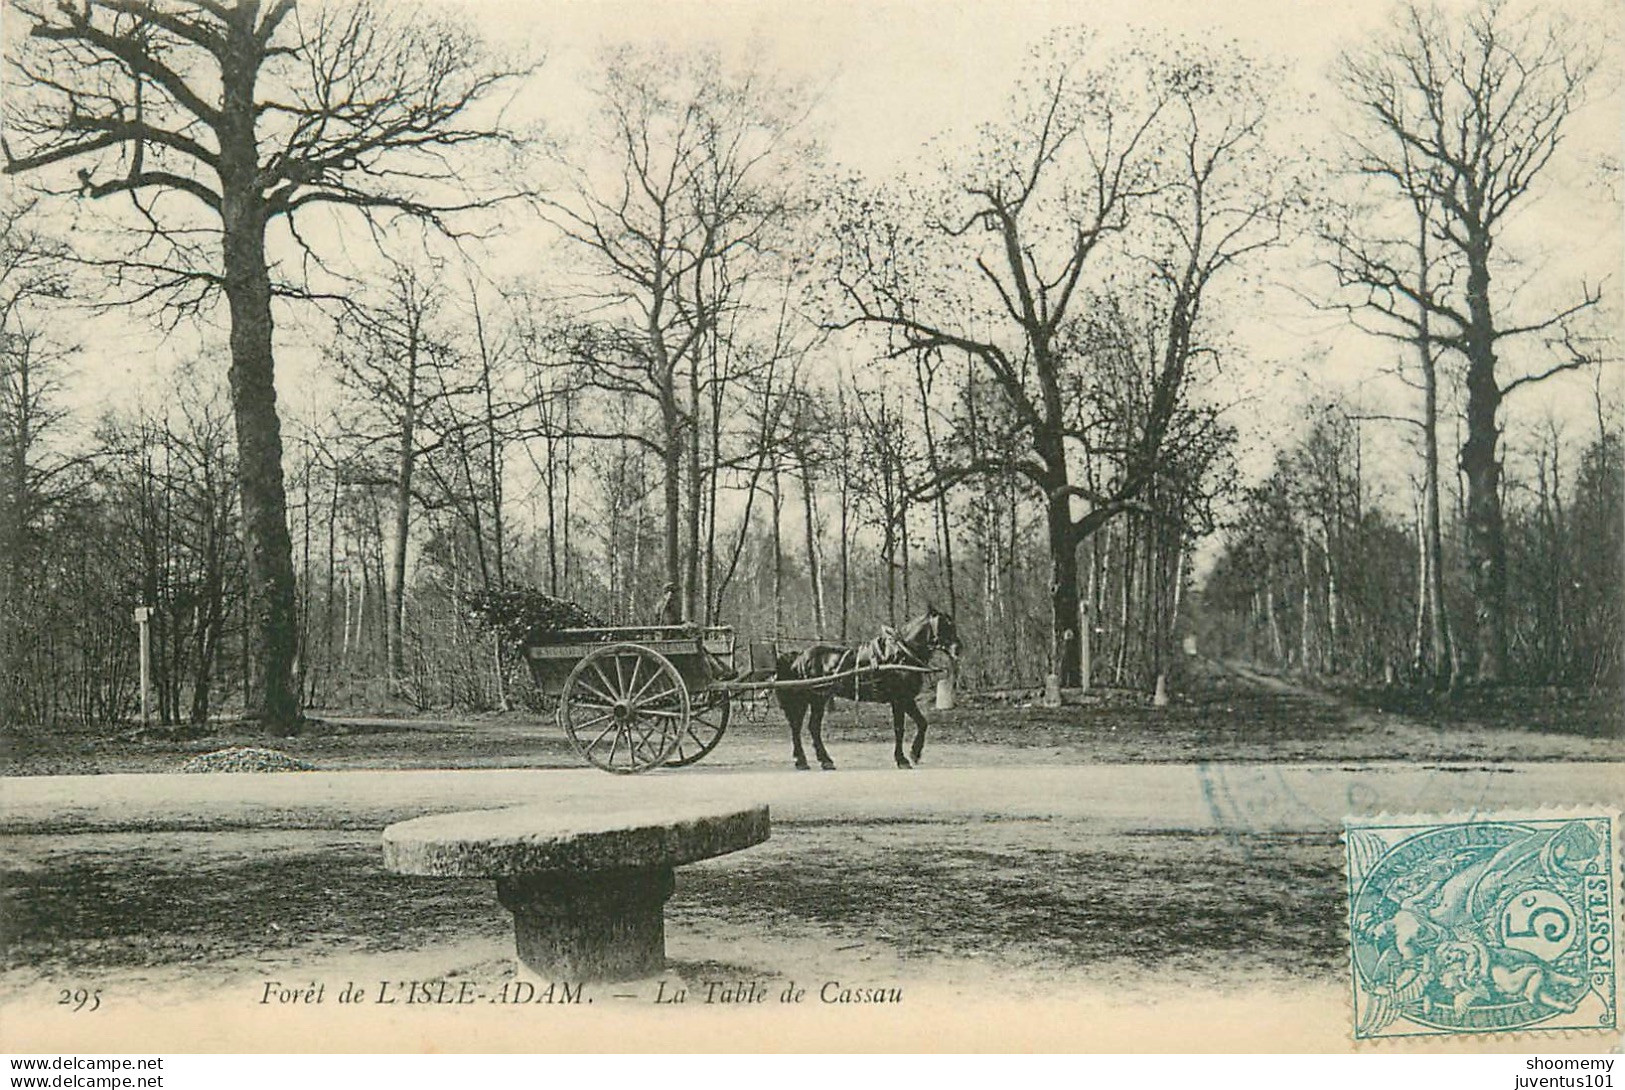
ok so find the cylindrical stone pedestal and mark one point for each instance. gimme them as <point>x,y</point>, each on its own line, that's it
<point>604,926</point>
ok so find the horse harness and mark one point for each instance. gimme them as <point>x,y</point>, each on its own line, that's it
<point>886,649</point>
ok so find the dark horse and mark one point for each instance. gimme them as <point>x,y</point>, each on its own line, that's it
<point>851,678</point>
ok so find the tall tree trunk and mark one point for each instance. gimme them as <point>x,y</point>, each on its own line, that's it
<point>15,526</point>
<point>846,547</point>
<point>696,491</point>
<point>329,659</point>
<point>499,546</point>
<point>473,513</point>
<point>550,481</point>
<point>902,539</point>
<point>1125,598</point>
<point>378,622</point>
<point>166,633</point>
<point>405,464</point>
<point>355,612</point>
<point>1063,589</point>
<point>1438,619</point>
<point>1277,643</point>
<point>846,511</point>
<point>1421,660</point>
<point>1485,529</point>
<point>1178,591</point>
<point>672,462</point>
<point>1014,612</point>
<point>245,648</point>
<point>1063,545</point>
<point>1439,656</point>
<point>302,645</point>
<point>493,448</point>
<point>1333,603</point>
<point>206,645</point>
<point>1156,584</point>
<point>1306,622</point>
<point>888,553</point>
<point>815,567</point>
<point>634,567</point>
<point>565,516</point>
<point>1562,583</point>
<point>944,531</point>
<point>988,530</point>
<point>267,546</point>
<point>710,597</point>
<point>778,552</point>
<point>617,549</point>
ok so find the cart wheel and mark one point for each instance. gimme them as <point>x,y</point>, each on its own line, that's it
<point>708,716</point>
<point>624,707</point>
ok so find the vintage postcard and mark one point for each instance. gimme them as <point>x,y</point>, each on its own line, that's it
<point>820,526</point>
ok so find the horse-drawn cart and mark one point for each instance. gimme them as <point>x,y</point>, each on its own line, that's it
<point>632,699</point>
<point>635,698</point>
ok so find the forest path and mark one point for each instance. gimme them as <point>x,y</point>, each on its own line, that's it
<point>1541,714</point>
<point>1319,699</point>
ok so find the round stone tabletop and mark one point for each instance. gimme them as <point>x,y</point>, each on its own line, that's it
<point>540,840</point>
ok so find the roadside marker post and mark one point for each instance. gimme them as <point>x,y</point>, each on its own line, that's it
<point>143,617</point>
<point>1083,646</point>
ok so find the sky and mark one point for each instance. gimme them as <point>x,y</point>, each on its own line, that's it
<point>885,76</point>
<point>893,74</point>
<point>889,74</point>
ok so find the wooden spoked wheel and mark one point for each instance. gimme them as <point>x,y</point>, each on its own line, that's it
<point>708,715</point>
<point>625,708</point>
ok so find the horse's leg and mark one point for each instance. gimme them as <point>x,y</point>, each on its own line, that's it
<point>897,734</point>
<point>913,709</point>
<point>795,708</point>
<point>816,725</point>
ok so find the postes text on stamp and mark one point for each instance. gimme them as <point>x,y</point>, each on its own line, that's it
<point>1488,925</point>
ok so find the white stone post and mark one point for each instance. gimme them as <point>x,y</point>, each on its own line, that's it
<point>143,617</point>
<point>1083,646</point>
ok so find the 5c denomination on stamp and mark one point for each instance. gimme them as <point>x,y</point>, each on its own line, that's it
<point>1485,925</point>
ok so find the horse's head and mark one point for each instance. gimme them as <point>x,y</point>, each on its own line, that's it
<point>936,632</point>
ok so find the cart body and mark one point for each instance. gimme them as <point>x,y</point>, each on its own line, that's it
<point>634,698</point>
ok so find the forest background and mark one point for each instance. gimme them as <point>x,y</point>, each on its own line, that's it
<point>1275,334</point>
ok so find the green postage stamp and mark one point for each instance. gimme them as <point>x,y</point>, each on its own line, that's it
<point>1487,924</point>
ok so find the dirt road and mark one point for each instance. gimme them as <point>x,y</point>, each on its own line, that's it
<point>1019,894</point>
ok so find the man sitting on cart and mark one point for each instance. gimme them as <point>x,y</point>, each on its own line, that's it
<point>671,610</point>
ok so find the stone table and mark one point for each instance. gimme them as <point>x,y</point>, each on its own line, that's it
<point>587,891</point>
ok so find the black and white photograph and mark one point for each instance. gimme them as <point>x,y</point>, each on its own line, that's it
<point>833,526</point>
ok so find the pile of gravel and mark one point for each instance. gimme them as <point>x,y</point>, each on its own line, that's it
<point>246,759</point>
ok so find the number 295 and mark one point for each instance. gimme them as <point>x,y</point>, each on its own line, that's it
<point>80,999</point>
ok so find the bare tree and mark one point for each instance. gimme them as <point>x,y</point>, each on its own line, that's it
<point>218,120</point>
<point>886,452</point>
<point>1168,154</point>
<point>33,273</point>
<point>805,439</point>
<point>37,476</point>
<point>392,358</point>
<point>166,471</point>
<point>692,191</point>
<point>1462,118</point>
<point>926,366</point>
